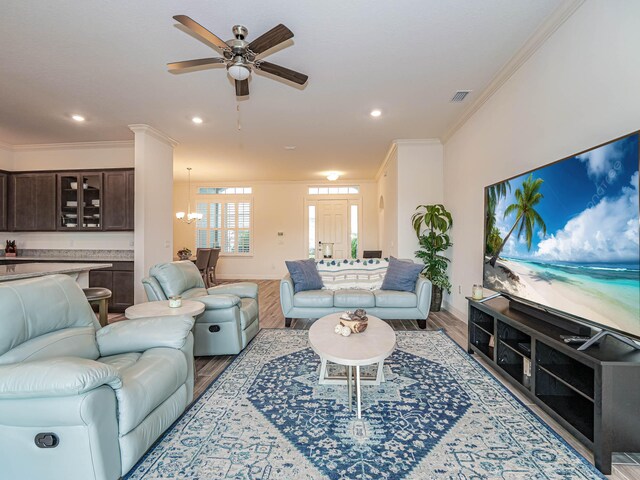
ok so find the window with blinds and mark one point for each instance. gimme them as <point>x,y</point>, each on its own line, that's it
<point>225,225</point>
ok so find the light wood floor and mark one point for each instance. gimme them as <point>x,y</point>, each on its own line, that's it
<point>625,467</point>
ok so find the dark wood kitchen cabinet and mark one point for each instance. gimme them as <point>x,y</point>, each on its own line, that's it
<point>72,200</point>
<point>32,202</point>
<point>3,201</point>
<point>119,196</point>
<point>118,279</point>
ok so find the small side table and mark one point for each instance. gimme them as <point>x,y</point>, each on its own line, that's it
<point>161,308</point>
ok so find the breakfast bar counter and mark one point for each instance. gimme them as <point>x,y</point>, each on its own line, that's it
<point>80,271</point>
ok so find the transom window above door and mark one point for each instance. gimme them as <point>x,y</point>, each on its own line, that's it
<point>337,190</point>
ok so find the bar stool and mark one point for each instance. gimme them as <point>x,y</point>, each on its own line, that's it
<point>99,296</point>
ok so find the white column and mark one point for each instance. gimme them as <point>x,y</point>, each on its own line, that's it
<point>153,202</point>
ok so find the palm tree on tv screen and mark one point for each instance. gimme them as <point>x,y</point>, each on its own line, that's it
<point>527,197</point>
<point>494,194</point>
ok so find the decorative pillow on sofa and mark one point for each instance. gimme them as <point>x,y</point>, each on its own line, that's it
<point>401,275</point>
<point>366,274</point>
<point>304,274</point>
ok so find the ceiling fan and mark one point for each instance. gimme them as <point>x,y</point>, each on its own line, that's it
<point>240,56</point>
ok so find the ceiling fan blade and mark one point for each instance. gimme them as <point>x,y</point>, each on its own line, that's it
<point>287,74</point>
<point>177,66</point>
<point>270,39</point>
<point>242,88</point>
<point>202,32</point>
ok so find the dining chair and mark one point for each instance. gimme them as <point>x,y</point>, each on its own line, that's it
<point>202,262</point>
<point>211,267</point>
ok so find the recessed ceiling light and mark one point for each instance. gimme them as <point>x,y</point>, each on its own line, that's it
<point>375,113</point>
<point>289,147</point>
<point>77,118</point>
<point>196,120</point>
<point>333,176</point>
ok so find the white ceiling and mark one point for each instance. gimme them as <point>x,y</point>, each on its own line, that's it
<point>106,60</point>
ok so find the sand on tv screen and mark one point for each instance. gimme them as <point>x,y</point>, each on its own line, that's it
<point>565,236</point>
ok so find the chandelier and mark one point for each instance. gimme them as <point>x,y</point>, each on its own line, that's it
<point>189,216</point>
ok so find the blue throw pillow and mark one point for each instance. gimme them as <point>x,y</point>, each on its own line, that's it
<point>401,275</point>
<point>304,274</point>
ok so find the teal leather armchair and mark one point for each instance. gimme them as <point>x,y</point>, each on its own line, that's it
<point>230,319</point>
<point>80,402</point>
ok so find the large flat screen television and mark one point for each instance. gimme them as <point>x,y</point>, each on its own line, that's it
<point>564,237</point>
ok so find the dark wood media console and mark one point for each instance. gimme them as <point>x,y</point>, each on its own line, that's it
<point>594,394</point>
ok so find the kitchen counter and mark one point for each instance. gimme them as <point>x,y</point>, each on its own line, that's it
<point>4,259</point>
<point>80,271</point>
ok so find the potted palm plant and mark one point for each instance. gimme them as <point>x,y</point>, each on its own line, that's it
<point>431,224</point>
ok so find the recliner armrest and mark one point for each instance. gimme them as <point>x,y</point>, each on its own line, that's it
<point>217,302</point>
<point>142,334</point>
<point>286,294</point>
<point>423,292</point>
<point>56,377</point>
<point>240,289</point>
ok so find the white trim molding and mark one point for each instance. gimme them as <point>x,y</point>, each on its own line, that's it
<point>154,132</point>
<point>67,146</point>
<point>539,37</point>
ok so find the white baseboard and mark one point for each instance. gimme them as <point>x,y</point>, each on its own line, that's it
<point>460,315</point>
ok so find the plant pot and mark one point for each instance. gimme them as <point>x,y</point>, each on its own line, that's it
<point>436,299</point>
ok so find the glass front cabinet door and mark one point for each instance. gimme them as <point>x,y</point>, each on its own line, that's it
<point>80,201</point>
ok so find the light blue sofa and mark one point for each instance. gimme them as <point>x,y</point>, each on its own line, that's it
<point>385,304</point>
<point>230,319</point>
<point>80,402</point>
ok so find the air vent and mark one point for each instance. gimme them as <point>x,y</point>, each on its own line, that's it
<point>460,95</point>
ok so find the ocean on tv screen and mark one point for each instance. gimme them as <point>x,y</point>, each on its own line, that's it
<point>566,236</point>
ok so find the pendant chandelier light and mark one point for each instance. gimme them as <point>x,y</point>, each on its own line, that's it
<point>189,216</point>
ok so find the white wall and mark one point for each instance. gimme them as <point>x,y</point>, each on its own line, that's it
<point>277,207</point>
<point>412,176</point>
<point>74,156</point>
<point>578,90</point>
<point>96,155</point>
<point>388,216</point>
<point>420,177</point>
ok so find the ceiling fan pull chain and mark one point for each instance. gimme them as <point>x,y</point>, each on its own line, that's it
<point>238,124</point>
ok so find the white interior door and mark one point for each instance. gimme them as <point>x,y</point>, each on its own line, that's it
<point>332,227</point>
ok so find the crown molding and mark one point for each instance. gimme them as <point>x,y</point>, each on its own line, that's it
<point>539,37</point>
<point>154,132</point>
<point>6,146</point>
<point>383,166</point>
<point>72,146</point>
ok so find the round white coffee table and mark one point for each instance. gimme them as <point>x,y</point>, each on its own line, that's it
<point>162,309</point>
<point>370,347</point>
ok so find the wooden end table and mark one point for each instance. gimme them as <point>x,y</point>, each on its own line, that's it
<point>370,347</point>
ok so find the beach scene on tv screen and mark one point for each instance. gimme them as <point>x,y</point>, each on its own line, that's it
<point>566,236</point>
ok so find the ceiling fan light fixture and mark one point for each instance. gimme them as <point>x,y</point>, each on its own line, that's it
<point>238,71</point>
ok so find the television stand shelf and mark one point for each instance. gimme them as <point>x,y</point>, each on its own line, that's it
<point>594,393</point>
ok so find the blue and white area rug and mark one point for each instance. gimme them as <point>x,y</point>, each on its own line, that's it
<point>439,415</point>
